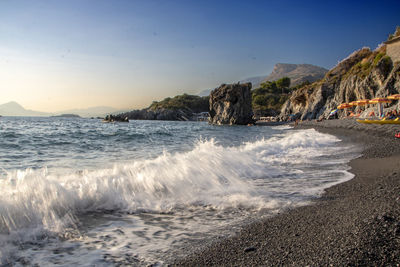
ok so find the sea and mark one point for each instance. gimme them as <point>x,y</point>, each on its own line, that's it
<point>77,191</point>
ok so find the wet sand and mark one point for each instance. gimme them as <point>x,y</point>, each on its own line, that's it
<point>353,223</point>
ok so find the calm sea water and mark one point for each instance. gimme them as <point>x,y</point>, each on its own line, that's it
<point>79,191</point>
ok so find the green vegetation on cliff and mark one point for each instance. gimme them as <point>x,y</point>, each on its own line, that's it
<point>364,67</point>
<point>184,102</point>
<point>272,95</point>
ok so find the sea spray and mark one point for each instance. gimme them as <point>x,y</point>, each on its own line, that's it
<point>213,183</point>
<point>209,175</point>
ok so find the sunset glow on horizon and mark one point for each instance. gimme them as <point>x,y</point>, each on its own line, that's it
<point>58,55</point>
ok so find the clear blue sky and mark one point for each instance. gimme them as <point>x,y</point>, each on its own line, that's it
<point>57,55</point>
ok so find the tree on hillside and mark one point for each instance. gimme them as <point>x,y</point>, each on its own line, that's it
<point>269,87</point>
<point>283,83</point>
<point>300,85</point>
<point>260,100</point>
<point>271,95</point>
<point>184,102</point>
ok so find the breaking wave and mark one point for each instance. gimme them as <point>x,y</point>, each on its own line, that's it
<point>265,174</point>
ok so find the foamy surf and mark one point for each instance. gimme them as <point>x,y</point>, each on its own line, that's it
<point>202,188</point>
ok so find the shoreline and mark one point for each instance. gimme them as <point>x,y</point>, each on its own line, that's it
<point>353,223</point>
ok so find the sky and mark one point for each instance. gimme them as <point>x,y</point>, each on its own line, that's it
<point>58,55</point>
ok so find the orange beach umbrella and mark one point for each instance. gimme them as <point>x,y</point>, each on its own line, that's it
<point>380,101</point>
<point>353,103</point>
<point>344,105</point>
<point>361,102</point>
<point>395,97</point>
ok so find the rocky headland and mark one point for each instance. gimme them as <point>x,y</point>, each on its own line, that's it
<point>158,114</point>
<point>365,74</point>
<point>179,108</point>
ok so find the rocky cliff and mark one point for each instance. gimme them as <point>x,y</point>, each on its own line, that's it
<point>231,104</point>
<point>365,74</point>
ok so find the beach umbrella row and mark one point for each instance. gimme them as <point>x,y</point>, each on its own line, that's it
<point>364,102</point>
<point>344,106</point>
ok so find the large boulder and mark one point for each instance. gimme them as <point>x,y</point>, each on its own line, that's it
<point>231,104</point>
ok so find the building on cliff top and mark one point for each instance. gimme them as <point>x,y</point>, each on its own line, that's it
<point>393,48</point>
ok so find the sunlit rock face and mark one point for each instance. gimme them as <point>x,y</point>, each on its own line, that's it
<point>231,104</point>
<point>365,74</point>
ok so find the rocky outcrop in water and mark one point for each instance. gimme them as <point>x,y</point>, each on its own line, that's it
<point>115,118</point>
<point>365,74</point>
<point>231,104</point>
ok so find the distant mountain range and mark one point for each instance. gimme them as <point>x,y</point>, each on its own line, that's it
<point>297,73</point>
<point>15,109</point>
<point>100,111</point>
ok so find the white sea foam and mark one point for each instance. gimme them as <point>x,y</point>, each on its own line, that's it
<point>282,127</point>
<point>265,174</point>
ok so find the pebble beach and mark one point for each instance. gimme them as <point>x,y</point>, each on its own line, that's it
<point>354,223</point>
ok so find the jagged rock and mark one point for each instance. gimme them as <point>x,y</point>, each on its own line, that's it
<point>365,74</point>
<point>231,104</point>
<point>115,118</point>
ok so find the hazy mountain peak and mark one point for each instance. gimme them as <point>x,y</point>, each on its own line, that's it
<point>298,73</point>
<point>14,109</point>
<point>13,105</point>
<point>284,67</point>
